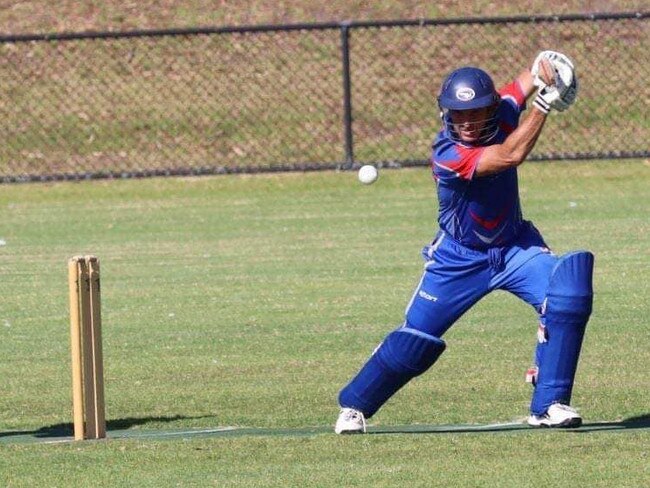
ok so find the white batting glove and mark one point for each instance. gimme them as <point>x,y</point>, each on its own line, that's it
<point>568,95</point>
<point>546,97</point>
<point>564,90</point>
<point>564,67</point>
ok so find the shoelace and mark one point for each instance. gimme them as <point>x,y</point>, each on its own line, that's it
<point>566,408</point>
<point>354,415</point>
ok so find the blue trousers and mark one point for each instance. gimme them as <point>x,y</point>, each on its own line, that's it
<point>456,277</point>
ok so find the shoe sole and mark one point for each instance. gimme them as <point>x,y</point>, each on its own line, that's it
<point>565,424</point>
<point>349,432</point>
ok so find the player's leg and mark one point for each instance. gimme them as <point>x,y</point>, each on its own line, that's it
<point>565,314</point>
<point>440,298</point>
<point>565,284</point>
<point>404,354</point>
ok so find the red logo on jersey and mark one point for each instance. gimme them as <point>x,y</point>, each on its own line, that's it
<point>489,224</point>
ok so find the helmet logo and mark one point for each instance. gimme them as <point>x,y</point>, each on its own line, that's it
<point>465,94</point>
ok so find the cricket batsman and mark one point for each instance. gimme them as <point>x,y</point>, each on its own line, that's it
<point>484,244</point>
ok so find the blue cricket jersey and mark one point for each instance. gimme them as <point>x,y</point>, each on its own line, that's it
<point>479,212</point>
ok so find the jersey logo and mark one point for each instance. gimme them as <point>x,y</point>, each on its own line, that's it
<point>490,240</point>
<point>465,94</point>
<point>489,224</point>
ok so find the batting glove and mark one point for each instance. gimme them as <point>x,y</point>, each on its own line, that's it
<point>562,94</point>
<point>546,97</point>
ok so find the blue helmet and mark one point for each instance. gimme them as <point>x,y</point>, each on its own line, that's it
<point>465,89</point>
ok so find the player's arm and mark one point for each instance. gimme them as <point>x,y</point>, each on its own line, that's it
<point>525,81</point>
<point>514,150</point>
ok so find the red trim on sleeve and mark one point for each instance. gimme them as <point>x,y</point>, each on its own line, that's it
<point>463,167</point>
<point>513,91</point>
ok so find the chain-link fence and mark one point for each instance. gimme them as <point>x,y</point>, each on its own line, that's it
<point>297,97</point>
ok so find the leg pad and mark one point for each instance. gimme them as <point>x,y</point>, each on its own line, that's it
<point>567,309</point>
<point>404,354</point>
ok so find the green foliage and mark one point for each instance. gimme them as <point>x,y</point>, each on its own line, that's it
<point>249,301</point>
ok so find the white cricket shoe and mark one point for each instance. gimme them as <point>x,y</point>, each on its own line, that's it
<point>558,415</point>
<point>350,421</point>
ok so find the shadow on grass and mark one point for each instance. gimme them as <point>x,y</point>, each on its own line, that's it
<point>66,430</point>
<point>640,422</point>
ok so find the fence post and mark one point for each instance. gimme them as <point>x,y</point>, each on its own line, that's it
<point>347,95</point>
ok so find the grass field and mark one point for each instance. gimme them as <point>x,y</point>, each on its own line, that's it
<point>247,302</point>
